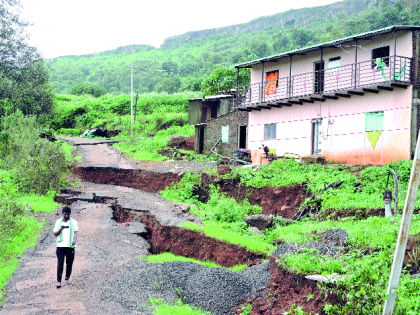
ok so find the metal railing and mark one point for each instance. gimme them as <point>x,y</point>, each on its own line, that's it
<point>343,78</point>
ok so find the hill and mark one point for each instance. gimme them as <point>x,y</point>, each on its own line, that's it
<point>190,57</point>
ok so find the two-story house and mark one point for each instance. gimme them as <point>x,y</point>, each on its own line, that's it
<point>352,100</point>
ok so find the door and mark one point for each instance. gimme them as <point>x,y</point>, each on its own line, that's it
<point>200,140</point>
<point>242,137</point>
<point>316,136</point>
<point>319,77</point>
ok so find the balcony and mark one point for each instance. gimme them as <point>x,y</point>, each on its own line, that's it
<point>354,79</point>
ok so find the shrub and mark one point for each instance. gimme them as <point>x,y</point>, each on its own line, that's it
<point>36,165</point>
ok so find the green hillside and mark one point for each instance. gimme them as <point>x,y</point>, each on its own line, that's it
<point>190,57</point>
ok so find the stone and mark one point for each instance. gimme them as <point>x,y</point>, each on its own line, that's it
<point>185,208</point>
<point>136,228</point>
<point>328,278</point>
<point>190,218</point>
<point>255,230</point>
<point>176,141</point>
<point>223,169</point>
<point>260,221</point>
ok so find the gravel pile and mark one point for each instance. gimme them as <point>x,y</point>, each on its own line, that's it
<point>335,237</point>
<point>215,290</point>
<point>287,249</point>
<point>330,240</point>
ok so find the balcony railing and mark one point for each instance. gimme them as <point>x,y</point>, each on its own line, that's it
<point>371,73</point>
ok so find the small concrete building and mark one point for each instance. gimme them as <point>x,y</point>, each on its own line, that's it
<point>217,122</point>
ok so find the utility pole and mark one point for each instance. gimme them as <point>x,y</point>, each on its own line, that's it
<point>131,126</point>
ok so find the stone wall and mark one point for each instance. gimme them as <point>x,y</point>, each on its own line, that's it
<point>194,111</point>
<point>213,132</point>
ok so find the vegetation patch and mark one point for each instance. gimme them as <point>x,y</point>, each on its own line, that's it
<point>165,257</point>
<point>177,308</point>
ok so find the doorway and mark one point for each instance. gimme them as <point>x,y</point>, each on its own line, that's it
<point>319,76</point>
<point>242,137</point>
<point>316,135</point>
<point>200,139</point>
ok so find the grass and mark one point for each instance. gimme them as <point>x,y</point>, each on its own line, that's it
<point>13,247</point>
<point>226,232</point>
<point>166,257</point>
<point>178,308</point>
<point>40,203</point>
<point>69,152</point>
<point>366,263</point>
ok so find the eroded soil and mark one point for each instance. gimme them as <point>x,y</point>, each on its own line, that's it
<point>115,192</point>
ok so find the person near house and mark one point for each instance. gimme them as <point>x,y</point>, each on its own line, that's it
<point>66,230</point>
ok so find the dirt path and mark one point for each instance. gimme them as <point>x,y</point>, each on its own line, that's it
<point>104,248</point>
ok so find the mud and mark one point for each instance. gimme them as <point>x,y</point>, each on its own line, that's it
<point>279,201</point>
<point>412,254</point>
<point>147,181</point>
<point>286,290</point>
<point>193,244</point>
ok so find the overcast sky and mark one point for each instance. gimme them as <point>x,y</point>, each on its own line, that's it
<point>76,27</point>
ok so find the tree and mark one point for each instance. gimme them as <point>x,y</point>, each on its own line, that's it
<point>23,77</point>
<point>93,90</point>
<point>223,80</point>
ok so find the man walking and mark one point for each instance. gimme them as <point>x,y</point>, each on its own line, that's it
<point>66,230</point>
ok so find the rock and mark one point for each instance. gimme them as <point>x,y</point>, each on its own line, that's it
<point>177,141</point>
<point>255,230</point>
<point>189,143</point>
<point>328,278</point>
<point>223,169</point>
<point>336,237</point>
<point>190,218</point>
<point>283,221</point>
<point>185,207</point>
<point>260,221</point>
<point>137,228</point>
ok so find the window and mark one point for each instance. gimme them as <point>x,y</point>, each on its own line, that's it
<point>380,55</point>
<point>374,124</point>
<point>269,132</point>
<point>225,134</point>
<point>272,82</point>
<point>334,64</point>
<point>374,121</point>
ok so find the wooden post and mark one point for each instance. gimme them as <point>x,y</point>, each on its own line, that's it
<point>399,254</point>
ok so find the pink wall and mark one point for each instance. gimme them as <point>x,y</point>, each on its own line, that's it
<point>304,64</point>
<point>344,139</point>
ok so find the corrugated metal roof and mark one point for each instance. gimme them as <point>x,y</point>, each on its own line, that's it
<point>333,43</point>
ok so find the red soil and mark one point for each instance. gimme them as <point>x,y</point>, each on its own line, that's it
<point>280,201</point>
<point>147,181</point>
<point>184,242</point>
<point>285,290</point>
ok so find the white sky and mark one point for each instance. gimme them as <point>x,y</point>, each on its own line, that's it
<point>76,27</point>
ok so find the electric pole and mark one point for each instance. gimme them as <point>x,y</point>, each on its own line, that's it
<point>131,126</point>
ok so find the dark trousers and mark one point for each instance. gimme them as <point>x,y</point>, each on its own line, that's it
<point>68,253</point>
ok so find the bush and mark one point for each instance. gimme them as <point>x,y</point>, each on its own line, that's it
<point>36,165</point>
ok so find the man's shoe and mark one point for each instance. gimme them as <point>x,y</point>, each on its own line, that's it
<point>58,285</point>
<point>68,281</point>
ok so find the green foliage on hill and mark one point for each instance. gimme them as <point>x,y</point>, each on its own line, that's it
<point>73,114</point>
<point>190,58</point>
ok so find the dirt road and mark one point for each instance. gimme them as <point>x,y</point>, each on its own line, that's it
<point>103,249</point>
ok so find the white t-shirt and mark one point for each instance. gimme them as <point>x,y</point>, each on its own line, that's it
<point>66,232</point>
